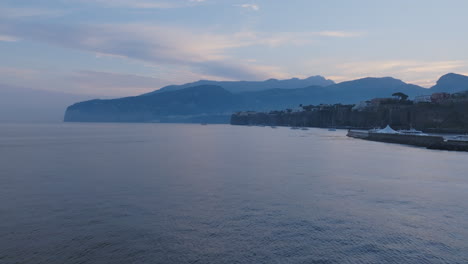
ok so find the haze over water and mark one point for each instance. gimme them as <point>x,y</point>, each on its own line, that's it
<point>165,193</point>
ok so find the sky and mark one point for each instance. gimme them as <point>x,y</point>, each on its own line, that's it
<point>129,47</point>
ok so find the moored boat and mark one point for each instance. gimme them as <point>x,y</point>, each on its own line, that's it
<point>412,131</point>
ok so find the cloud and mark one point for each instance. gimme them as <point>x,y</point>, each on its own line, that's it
<point>25,12</point>
<point>141,4</point>
<point>340,34</point>
<point>83,82</point>
<point>418,72</point>
<point>7,38</point>
<point>252,7</point>
<point>413,66</point>
<point>18,72</point>
<point>204,51</point>
<point>117,83</point>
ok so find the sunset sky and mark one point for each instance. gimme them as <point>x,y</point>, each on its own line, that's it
<point>128,47</point>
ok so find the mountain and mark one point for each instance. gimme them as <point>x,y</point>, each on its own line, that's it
<point>192,103</point>
<point>245,86</point>
<point>451,83</point>
<point>211,103</point>
<point>353,91</point>
<point>19,104</point>
<point>345,92</point>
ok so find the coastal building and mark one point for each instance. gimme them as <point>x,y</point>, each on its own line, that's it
<point>439,97</point>
<point>361,106</point>
<point>377,101</point>
<point>422,99</point>
<point>380,101</point>
<point>246,113</point>
<point>460,96</point>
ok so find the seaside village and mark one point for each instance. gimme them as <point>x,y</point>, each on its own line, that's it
<point>412,136</point>
<point>397,100</point>
<point>435,98</point>
<point>440,117</point>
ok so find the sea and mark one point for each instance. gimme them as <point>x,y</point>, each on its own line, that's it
<point>191,193</point>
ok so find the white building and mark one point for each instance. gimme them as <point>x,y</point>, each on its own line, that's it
<point>361,106</point>
<point>422,99</point>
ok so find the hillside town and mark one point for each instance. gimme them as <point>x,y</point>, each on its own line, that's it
<point>437,112</point>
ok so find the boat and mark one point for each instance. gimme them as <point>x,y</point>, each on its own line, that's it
<point>304,128</point>
<point>412,131</point>
<point>386,130</point>
<point>358,133</point>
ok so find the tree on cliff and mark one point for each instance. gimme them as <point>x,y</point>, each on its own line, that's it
<point>307,108</point>
<point>401,95</point>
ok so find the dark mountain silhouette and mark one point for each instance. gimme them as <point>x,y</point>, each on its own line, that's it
<point>451,83</point>
<point>246,86</point>
<point>354,91</point>
<point>345,92</point>
<point>209,103</point>
<point>173,106</point>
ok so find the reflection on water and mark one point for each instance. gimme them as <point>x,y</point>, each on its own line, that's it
<point>155,193</point>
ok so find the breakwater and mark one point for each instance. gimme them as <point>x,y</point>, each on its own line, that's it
<point>427,141</point>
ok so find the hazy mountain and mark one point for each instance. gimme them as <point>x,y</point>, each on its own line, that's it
<point>19,104</point>
<point>345,92</point>
<point>193,102</point>
<point>246,86</point>
<point>208,102</point>
<point>451,83</point>
<point>367,88</point>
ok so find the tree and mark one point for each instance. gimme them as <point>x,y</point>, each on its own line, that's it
<point>401,95</point>
<point>307,108</point>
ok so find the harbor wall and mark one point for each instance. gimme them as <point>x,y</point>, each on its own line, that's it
<point>414,140</point>
<point>430,142</point>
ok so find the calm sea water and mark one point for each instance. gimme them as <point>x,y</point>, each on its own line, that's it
<point>156,193</point>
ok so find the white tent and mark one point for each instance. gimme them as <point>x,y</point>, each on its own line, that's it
<point>387,130</point>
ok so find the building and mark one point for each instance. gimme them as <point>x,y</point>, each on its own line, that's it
<point>361,106</point>
<point>439,97</point>
<point>422,99</point>
<point>379,101</point>
<point>460,96</point>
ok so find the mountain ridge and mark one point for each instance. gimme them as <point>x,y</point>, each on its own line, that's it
<point>451,83</point>
<point>246,86</point>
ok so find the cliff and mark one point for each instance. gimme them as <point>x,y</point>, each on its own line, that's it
<point>449,116</point>
<point>202,103</point>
